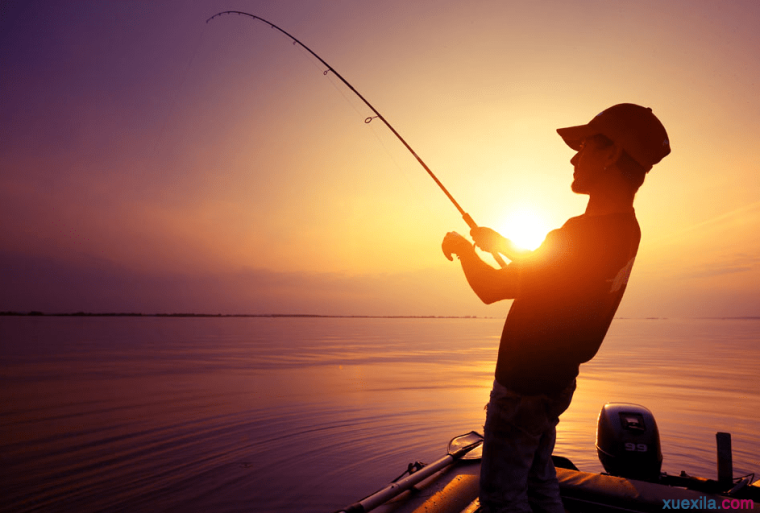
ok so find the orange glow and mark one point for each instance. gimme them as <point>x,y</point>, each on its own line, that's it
<point>525,228</point>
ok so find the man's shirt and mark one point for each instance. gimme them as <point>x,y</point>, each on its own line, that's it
<point>567,293</point>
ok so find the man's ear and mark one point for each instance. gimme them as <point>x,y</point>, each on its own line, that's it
<point>613,155</point>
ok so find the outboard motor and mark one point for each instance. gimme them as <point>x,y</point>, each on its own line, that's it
<point>628,442</point>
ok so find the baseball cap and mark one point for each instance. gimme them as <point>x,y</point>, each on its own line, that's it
<point>633,127</point>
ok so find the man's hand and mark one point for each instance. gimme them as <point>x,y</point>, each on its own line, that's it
<point>487,239</point>
<point>492,242</point>
<point>453,243</point>
<point>488,283</point>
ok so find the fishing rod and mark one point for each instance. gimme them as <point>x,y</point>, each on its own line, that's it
<point>465,215</point>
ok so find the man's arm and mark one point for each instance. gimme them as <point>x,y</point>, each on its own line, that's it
<point>488,283</point>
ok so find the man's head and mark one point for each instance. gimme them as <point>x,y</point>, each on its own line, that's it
<point>633,133</point>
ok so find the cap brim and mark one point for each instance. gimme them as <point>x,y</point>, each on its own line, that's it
<point>574,135</point>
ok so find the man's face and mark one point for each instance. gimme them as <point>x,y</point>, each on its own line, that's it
<point>589,165</point>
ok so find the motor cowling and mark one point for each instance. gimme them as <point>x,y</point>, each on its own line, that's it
<point>628,442</point>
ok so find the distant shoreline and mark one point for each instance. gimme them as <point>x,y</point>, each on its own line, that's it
<point>35,313</point>
<point>125,314</point>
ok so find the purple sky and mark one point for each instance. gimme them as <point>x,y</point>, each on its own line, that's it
<point>152,162</point>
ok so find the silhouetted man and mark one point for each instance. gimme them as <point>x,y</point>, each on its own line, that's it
<point>565,295</point>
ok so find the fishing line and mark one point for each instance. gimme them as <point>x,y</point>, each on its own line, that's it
<point>402,173</point>
<point>413,189</point>
<point>352,102</point>
<point>329,79</point>
<point>369,119</point>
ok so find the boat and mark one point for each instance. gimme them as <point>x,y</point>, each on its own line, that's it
<point>628,446</point>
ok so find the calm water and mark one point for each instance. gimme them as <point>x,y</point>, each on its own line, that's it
<point>305,414</point>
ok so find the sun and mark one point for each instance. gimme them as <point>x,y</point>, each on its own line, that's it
<point>525,228</point>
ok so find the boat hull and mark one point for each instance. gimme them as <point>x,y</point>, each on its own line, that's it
<point>455,490</point>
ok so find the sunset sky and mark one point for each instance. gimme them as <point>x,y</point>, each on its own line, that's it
<point>153,162</point>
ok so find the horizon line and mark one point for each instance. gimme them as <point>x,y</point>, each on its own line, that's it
<point>37,313</point>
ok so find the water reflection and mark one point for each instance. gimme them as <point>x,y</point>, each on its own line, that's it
<point>235,414</point>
